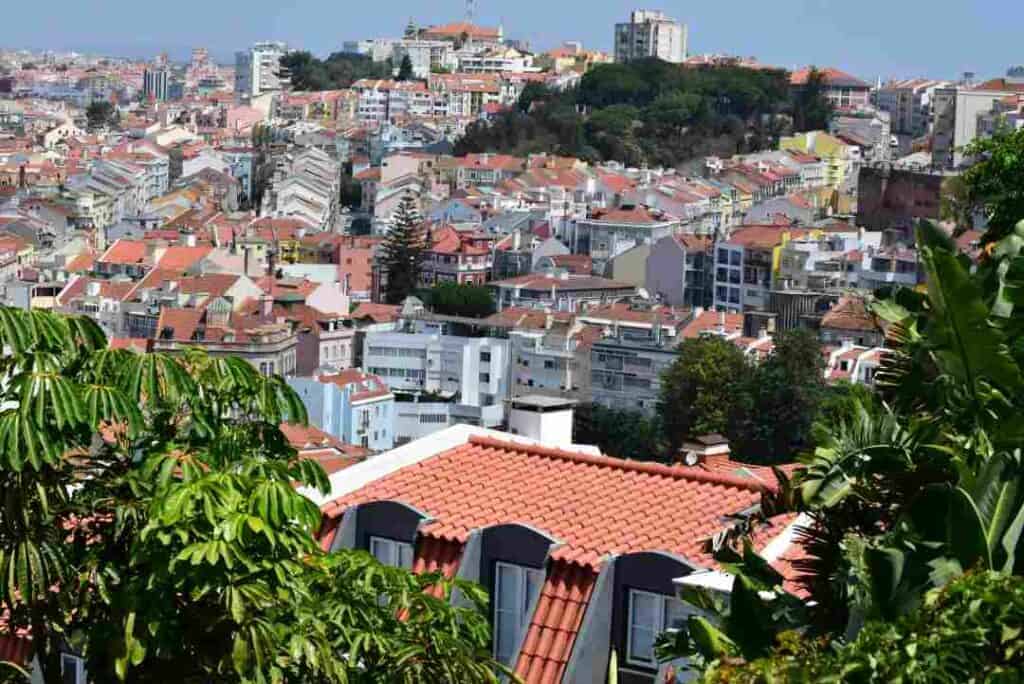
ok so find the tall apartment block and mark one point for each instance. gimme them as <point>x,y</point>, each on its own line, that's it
<point>258,69</point>
<point>650,33</point>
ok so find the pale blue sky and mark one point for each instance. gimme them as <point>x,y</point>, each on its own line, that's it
<point>870,38</point>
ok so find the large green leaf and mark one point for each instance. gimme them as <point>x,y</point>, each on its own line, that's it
<point>965,344</point>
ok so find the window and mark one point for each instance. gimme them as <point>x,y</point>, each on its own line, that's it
<point>72,669</point>
<point>649,616</point>
<point>515,589</point>
<point>485,357</point>
<point>390,552</point>
<point>485,377</point>
<point>735,258</point>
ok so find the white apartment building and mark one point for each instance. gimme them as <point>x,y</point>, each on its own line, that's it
<point>258,69</point>
<point>650,33</point>
<point>427,56</point>
<point>957,111</point>
<point>440,380</point>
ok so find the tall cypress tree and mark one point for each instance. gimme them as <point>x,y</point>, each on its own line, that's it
<point>402,252</point>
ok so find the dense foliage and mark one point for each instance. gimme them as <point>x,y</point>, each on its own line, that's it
<point>970,631</point>
<point>340,70</point>
<point>150,521</point>
<point>624,434</point>
<point>101,113</point>
<point>402,252</point>
<point>454,299</point>
<point>904,496</point>
<point>649,112</point>
<point>766,409</point>
<point>993,186</point>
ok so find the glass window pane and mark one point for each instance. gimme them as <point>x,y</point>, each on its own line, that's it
<point>506,587</point>
<point>644,625</point>
<point>676,613</point>
<point>534,579</point>
<point>383,550</point>
<point>505,634</point>
<point>405,556</point>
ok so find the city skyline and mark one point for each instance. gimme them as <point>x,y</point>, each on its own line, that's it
<point>868,39</point>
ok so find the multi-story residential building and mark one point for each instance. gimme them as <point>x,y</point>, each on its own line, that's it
<point>356,407</point>
<point>870,130</point>
<point>841,160</point>
<point>650,33</point>
<point>680,271</point>
<point>497,60</point>
<point>559,291</point>
<point>156,83</point>
<point>842,90</point>
<point>98,299</point>
<point>441,379</point>
<point>258,70</point>
<point>550,353</point>
<point>610,232</point>
<point>957,110</point>
<point>384,101</point>
<point>909,103</point>
<point>266,344</point>
<point>462,34</point>
<point>745,265</point>
<point>305,185</point>
<point>455,257</point>
<point>427,56</point>
<point>487,169</point>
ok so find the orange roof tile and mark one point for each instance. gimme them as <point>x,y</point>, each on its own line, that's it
<point>125,252</point>
<point>851,313</point>
<point>601,506</point>
<point>181,258</point>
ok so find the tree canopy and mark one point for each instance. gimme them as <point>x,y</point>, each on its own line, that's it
<point>150,522</point>
<point>993,185</point>
<point>454,299</point>
<point>646,111</point>
<point>340,70</point>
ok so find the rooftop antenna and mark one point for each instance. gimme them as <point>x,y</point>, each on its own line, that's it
<point>470,11</point>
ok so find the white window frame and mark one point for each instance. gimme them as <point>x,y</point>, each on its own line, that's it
<point>522,599</point>
<point>393,553</point>
<point>660,625</point>
<point>76,662</point>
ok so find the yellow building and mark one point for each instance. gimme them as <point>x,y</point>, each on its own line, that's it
<point>837,155</point>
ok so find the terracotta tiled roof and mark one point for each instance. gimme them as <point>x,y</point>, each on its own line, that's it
<point>851,313</point>
<point>181,258</point>
<point>712,321</point>
<point>763,236</point>
<point>456,29</point>
<point>831,76</point>
<point>556,621</point>
<point>378,313</point>
<point>434,554</point>
<point>365,386</point>
<point>138,344</point>
<point>578,264</point>
<point>125,252</point>
<point>601,505</point>
<point>81,263</point>
<point>638,215</point>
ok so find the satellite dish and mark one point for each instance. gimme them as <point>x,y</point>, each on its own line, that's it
<point>691,458</point>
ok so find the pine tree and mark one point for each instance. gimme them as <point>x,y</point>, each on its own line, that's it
<point>402,252</point>
<point>405,71</point>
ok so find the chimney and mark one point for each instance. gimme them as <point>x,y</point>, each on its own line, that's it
<point>266,308</point>
<point>704,450</point>
<point>547,420</point>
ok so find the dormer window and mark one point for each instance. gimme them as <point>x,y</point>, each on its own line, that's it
<point>393,553</point>
<point>515,590</point>
<point>649,616</point>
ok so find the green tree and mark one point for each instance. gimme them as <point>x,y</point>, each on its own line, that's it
<point>907,495</point>
<point>402,252</point>
<point>151,522</point>
<point>700,390</point>
<point>785,393</point>
<point>405,69</point>
<point>454,299</point>
<point>811,109</point>
<point>993,184</point>
<point>100,113</point>
<point>623,434</point>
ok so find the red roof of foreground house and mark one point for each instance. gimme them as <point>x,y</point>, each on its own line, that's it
<point>601,507</point>
<point>851,313</point>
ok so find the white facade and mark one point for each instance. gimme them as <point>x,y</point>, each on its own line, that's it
<point>258,69</point>
<point>650,34</point>
<point>448,379</point>
<point>427,56</point>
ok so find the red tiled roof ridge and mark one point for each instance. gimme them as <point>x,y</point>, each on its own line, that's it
<point>622,464</point>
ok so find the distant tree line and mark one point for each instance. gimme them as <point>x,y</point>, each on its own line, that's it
<point>656,113</point>
<point>340,70</point>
